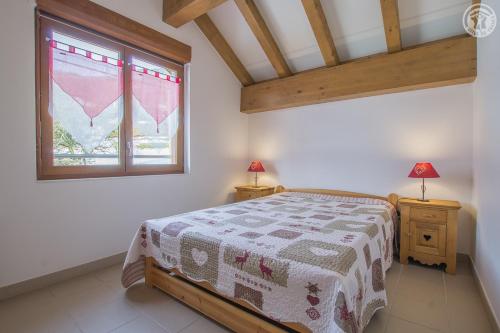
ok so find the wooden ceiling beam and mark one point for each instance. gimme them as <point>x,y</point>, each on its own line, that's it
<point>390,14</point>
<point>180,12</point>
<point>261,31</point>
<point>446,62</point>
<point>319,25</point>
<point>222,47</point>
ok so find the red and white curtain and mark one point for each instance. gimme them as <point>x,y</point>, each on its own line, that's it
<point>86,95</point>
<point>155,95</point>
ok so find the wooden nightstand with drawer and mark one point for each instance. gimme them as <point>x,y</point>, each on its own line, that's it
<point>252,192</point>
<point>429,232</point>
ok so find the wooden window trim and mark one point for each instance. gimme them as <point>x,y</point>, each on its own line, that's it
<point>104,21</point>
<point>45,169</point>
<point>178,141</point>
<point>45,123</point>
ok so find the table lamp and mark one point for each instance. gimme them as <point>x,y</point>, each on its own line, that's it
<point>423,170</point>
<point>256,166</point>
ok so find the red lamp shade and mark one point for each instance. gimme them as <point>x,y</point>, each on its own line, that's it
<point>423,170</point>
<point>256,166</point>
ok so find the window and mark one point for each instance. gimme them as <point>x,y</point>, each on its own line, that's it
<point>106,108</point>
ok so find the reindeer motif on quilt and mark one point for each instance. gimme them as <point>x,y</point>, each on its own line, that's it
<point>240,260</point>
<point>312,259</point>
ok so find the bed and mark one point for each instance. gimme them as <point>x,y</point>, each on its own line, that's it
<point>301,259</point>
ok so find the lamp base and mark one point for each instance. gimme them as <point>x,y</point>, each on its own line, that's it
<point>423,199</point>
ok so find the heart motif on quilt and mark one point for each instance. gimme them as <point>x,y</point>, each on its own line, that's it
<point>199,257</point>
<point>313,300</point>
<point>355,226</point>
<point>323,252</point>
<point>251,220</point>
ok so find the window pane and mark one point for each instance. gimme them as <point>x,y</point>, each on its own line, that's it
<point>155,113</point>
<point>86,102</point>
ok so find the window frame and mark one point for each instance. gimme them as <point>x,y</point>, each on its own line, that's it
<point>46,170</point>
<point>132,169</point>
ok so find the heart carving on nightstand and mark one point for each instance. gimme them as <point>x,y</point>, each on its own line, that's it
<point>427,237</point>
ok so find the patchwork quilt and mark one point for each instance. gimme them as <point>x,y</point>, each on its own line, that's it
<point>313,259</point>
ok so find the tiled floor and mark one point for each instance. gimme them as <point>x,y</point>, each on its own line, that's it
<point>420,300</point>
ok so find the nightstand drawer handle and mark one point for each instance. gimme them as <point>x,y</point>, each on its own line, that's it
<point>429,216</point>
<point>427,237</point>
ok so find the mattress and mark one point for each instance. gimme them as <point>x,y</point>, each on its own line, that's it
<point>313,259</point>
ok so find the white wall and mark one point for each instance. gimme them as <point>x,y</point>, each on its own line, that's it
<point>370,145</point>
<point>52,225</point>
<point>487,164</point>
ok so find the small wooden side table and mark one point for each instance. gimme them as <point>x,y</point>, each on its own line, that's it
<point>248,192</point>
<point>429,232</point>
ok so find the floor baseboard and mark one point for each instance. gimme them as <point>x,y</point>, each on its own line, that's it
<point>491,314</point>
<point>56,277</point>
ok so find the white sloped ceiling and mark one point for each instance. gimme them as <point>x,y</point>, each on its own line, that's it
<point>356,26</point>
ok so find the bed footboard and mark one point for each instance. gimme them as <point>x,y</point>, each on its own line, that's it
<point>222,310</point>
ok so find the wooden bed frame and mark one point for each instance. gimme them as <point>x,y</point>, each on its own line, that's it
<point>235,314</point>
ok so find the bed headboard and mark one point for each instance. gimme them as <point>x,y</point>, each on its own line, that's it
<point>391,198</point>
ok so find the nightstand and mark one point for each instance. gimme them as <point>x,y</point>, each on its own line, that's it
<point>429,232</point>
<point>252,192</point>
